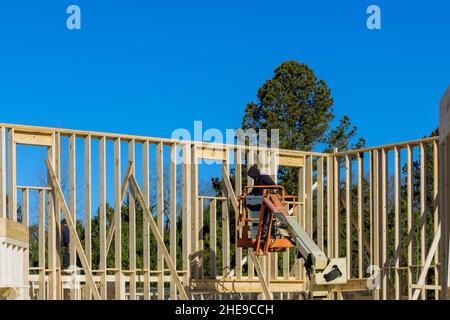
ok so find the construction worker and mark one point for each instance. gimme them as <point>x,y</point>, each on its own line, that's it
<point>260,180</point>
<point>65,235</point>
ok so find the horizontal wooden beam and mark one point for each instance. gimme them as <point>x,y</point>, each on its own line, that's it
<point>244,285</point>
<point>33,138</point>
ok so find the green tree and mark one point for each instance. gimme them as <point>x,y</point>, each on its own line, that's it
<point>299,105</point>
<point>295,102</point>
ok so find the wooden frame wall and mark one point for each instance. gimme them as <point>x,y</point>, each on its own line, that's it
<point>345,201</point>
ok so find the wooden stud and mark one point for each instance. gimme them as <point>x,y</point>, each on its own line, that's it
<point>336,206</point>
<point>409,162</point>
<point>119,289</point>
<point>286,263</point>
<point>383,221</point>
<point>273,170</point>
<point>371,206</point>
<point>360,213</point>
<point>51,233</point>
<point>348,213</point>
<point>250,162</point>
<point>186,212</point>
<point>238,189</point>
<point>213,238</point>
<point>200,237</point>
<point>160,217</point>
<point>145,224</point>
<point>132,226</point>
<point>25,221</point>
<point>57,156</point>
<point>376,216</point>
<point>102,217</point>
<point>41,211</point>
<point>309,196</point>
<point>72,207</point>
<point>88,203</point>
<point>423,212</point>
<point>397,221</point>
<point>299,270</point>
<point>436,212</point>
<point>330,175</point>
<point>194,212</point>
<point>320,206</point>
<point>173,212</point>
<point>226,254</point>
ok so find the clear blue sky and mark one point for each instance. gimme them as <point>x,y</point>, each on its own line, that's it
<point>148,67</point>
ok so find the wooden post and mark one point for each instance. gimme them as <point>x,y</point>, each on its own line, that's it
<point>160,216</point>
<point>320,183</point>
<point>348,212</point>
<point>423,212</point>
<point>41,211</point>
<point>436,213</point>
<point>87,204</point>
<point>145,225</point>
<point>226,259</point>
<point>410,216</point>
<point>102,217</point>
<point>200,237</point>
<point>213,238</point>
<point>51,232</point>
<point>250,162</point>
<point>376,216</point>
<point>308,196</point>
<point>383,222</point>
<point>397,222</point>
<point>186,212</point>
<point>132,226</point>
<point>25,221</point>
<point>173,213</point>
<point>238,190</point>
<point>119,289</point>
<point>330,201</point>
<point>194,212</point>
<point>360,213</point>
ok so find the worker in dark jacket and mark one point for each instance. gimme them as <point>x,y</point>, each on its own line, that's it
<point>65,235</point>
<point>260,180</point>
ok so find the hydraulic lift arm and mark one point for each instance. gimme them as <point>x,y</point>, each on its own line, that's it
<point>322,270</point>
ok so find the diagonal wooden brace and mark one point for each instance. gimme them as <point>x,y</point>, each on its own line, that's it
<point>230,192</point>
<point>426,267</point>
<point>232,196</point>
<point>134,187</point>
<point>73,231</point>
<point>123,190</point>
<point>266,290</point>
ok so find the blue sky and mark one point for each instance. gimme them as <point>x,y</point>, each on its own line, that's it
<point>162,65</point>
<point>148,67</point>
